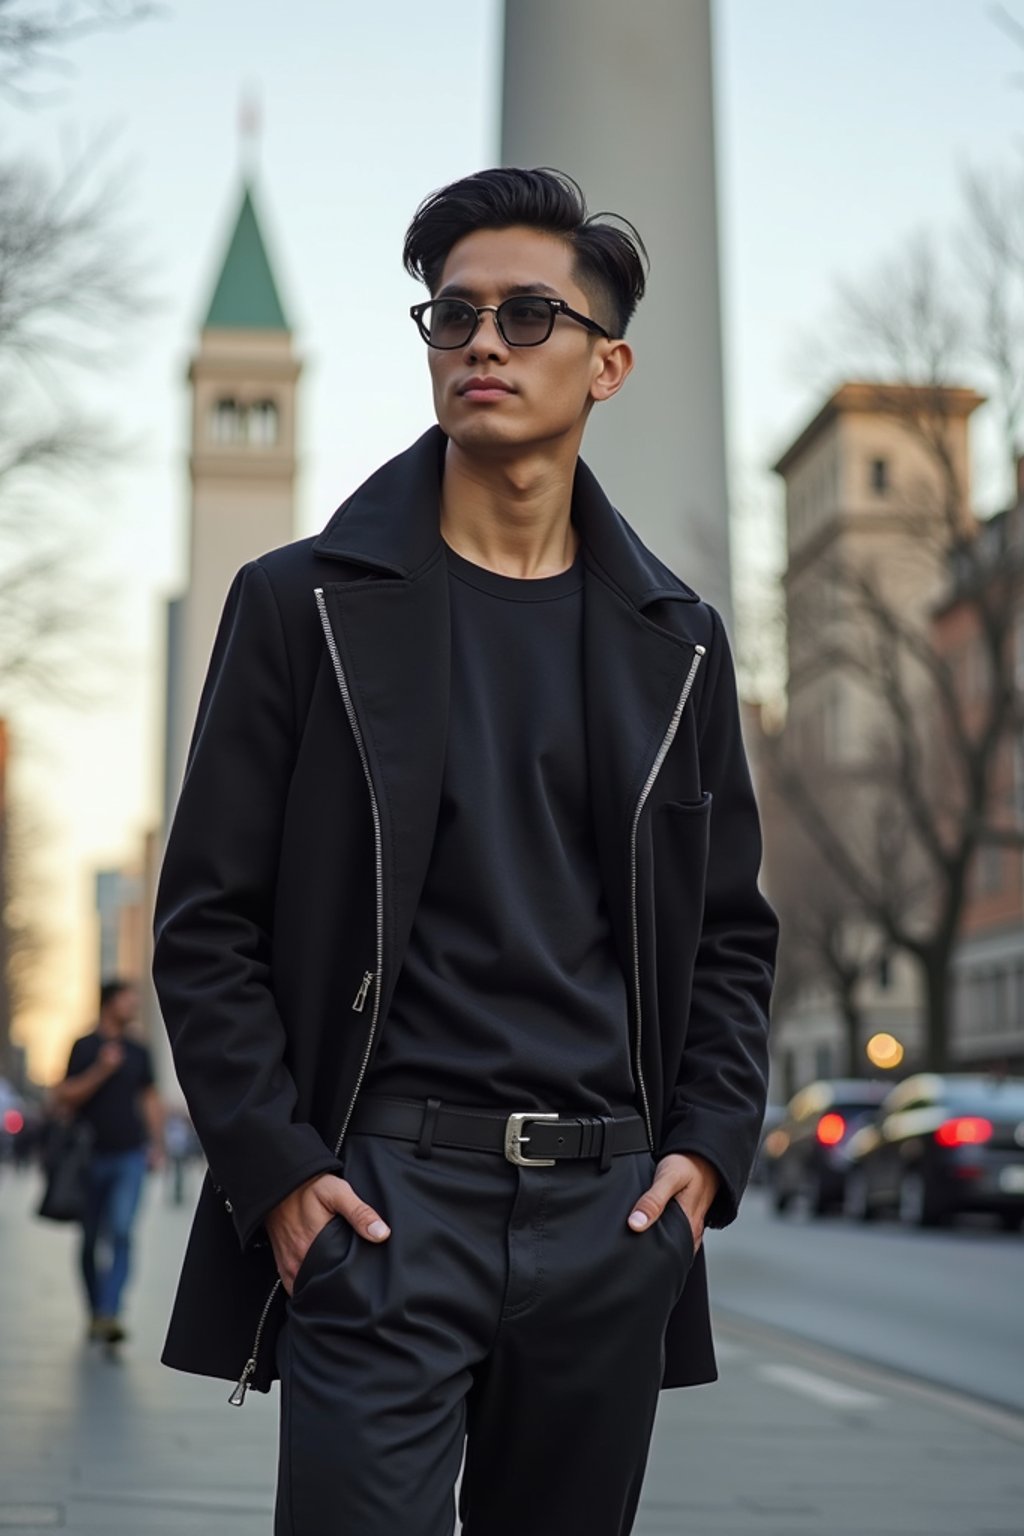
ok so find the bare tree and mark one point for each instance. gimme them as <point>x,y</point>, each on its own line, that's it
<point>68,295</point>
<point>69,298</point>
<point>33,37</point>
<point>829,950</point>
<point>900,816</point>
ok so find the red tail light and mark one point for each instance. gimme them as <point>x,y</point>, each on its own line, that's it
<point>14,1121</point>
<point>964,1131</point>
<point>831,1130</point>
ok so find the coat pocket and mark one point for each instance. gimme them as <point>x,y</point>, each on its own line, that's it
<point>309,1259</point>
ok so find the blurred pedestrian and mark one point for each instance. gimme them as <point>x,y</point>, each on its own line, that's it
<point>110,1085</point>
<point>179,1141</point>
<point>466,985</point>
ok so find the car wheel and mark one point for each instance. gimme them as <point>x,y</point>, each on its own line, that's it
<point>917,1204</point>
<point>1011,1221</point>
<point>856,1204</point>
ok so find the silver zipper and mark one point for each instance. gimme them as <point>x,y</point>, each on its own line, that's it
<point>673,726</point>
<point>237,1398</point>
<point>378,851</point>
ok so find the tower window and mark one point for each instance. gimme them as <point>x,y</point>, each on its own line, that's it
<point>233,424</point>
<point>880,476</point>
<point>227,420</point>
<point>263,423</point>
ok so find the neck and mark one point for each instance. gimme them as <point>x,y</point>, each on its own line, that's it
<point>510,515</point>
<point>108,1026</point>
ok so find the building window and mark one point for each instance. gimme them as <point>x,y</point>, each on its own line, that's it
<point>880,476</point>
<point>263,423</point>
<point>233,424</point>
<point>227,420</point>
<point>823,1060</point>
<point>884,974</point>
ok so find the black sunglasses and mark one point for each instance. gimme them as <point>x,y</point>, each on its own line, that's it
<point>523,321</point>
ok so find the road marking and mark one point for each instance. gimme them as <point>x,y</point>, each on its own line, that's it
<point>1000,1419</point>
<point>821,1388</point>
<point>725,1349</point>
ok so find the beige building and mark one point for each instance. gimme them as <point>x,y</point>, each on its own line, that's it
<point>242,469</point>
<point>868,516</point>
<point>242,462</point>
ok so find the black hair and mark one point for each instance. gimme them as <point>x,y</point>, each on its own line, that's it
<point>113,987</point>
<point>610,263</point>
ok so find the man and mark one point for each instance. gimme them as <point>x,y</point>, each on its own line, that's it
<point>109,1084</point>
<point>466,981</point>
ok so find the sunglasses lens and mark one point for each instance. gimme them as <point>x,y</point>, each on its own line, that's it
<point>449,322</point>
<point>525,322</point>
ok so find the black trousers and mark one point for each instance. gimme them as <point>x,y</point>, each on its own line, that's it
<point>511,1315</point>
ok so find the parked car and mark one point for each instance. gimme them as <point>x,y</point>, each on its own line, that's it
<point>12,1119</point>
<point>805,1155</point>
<point>939,1145</point>
<point>773,1116</point>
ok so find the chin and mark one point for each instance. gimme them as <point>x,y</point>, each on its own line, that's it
<point>481,432</point>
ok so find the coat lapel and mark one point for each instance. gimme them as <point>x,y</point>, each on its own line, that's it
<point>394,640</point>
<point>392,628</point>
<point>633,674</point>
<point>632,677</point>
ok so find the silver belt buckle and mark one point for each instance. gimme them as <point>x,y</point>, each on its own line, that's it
<point>514,1139</point>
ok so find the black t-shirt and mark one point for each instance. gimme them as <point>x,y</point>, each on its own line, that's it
<point>113,1111</point>
<point>512,992</point>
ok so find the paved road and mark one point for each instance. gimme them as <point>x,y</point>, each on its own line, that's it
<point>794,1441</point>
<point>947,1306</point>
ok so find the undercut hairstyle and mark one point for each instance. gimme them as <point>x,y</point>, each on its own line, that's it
<point>610,263</point>
<point>113,987</point>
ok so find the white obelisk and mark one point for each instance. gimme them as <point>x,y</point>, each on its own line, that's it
<point>621,97</point>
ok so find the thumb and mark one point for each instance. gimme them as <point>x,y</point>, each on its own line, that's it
<point>358,1213</point>
<point>651,1203</point>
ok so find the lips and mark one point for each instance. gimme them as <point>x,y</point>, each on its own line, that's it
<point>485,387</point>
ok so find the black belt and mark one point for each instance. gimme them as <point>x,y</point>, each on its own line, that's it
<point>550,1138</point>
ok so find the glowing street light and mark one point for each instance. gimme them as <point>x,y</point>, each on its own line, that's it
<point>884,1051</point>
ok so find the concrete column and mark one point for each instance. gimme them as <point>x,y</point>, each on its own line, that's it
<point>621,98</point>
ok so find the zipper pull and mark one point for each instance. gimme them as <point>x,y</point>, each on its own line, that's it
<point>364,987</point>
<point>237,1398</point>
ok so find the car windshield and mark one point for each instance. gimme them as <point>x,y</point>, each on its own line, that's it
<point>988,1096</point>
<point>857,1114</point>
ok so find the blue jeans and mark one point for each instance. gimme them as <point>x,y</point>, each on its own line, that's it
<point>115,1184</point>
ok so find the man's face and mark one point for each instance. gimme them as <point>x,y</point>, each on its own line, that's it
<point>124,1007</point>
<point>548,387</point>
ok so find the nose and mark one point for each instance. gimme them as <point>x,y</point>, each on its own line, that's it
<point>487,340</point>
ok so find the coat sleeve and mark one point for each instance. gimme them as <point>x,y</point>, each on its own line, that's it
<point>214,917</point>
<point>717,1107</point>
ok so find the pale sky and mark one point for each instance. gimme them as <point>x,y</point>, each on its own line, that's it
<point>842,130</point>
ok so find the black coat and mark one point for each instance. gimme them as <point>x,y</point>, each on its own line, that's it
<point>301,841</point>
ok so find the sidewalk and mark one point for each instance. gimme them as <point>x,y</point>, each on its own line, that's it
<point>791,1441</point>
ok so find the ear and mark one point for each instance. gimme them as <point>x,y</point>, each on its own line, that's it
<point>613,366</point>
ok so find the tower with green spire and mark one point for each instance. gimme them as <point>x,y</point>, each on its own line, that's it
<point>246,296</point>
<point>242,463</point>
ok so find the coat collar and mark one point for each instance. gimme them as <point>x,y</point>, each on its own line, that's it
<point>392,524</point>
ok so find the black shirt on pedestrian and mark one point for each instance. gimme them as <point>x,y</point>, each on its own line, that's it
<point>511,991</point>
<point>113,1110</point>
